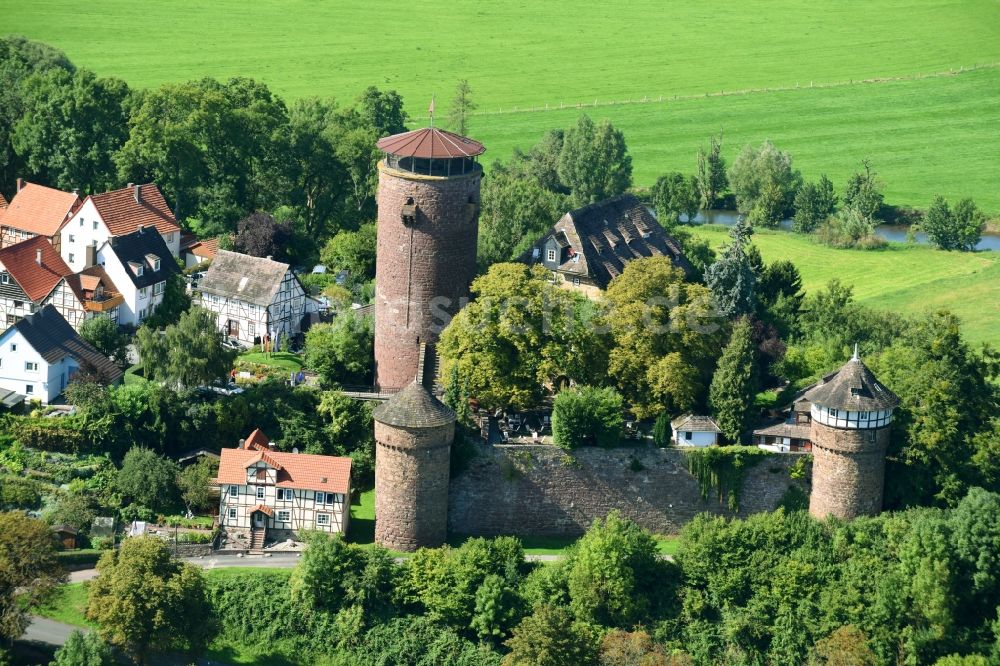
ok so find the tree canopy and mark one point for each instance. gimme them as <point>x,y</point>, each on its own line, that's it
<point>29,570</point>
<point>958,228</point>
<point>594,162</point>
<point>186,354</point>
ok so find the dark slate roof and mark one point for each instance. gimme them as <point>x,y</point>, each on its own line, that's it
<point>785,429</point>
<point>606,236</point>
<point>53,338</point>
<point>695,423</point>
<point>244,277</point>
<point>414,407</point>
<point>853,388</point>
<point>134,247</point>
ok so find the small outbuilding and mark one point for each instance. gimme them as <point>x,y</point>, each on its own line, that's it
<point>694,430</point>
<point>68,536</point>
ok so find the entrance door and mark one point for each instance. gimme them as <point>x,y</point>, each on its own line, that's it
<point>259,519</point>
<point>233,328</point>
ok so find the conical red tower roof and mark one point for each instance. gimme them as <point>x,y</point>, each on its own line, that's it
<point>430,143</point>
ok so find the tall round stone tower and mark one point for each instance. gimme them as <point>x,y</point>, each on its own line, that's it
<point>851,417</point>
<point>413,436</point>
<point>428,226</point>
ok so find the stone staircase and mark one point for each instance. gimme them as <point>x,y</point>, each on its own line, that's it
<point>257,540</point>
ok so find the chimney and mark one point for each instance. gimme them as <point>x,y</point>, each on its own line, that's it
<point>241,444</point>
<point>38,256</point>
<point>76,191</point>
<point>20,184</point>
<point>137,193</point>
<point>140,228</point>
<point>270,257</point>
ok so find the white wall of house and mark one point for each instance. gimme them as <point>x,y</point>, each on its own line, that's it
<point>24,371</point>
<point>296,510</point>
<point>11,310</point>
<point>87,228</point>
<point>694,438</point>
<point>248,320</point>
<point>139,303</point>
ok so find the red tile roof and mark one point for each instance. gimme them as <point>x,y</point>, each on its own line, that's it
<point>303,471</point>
<point>257,440</point>
<point>263,508</point>
<point>3,201</point>
<point>123,214</point>
<point>39,210</point>
<point>37,280</point>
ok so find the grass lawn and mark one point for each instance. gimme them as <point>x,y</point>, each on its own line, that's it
<point>924,136</point>
<point>910,279</point>
<point>287,361</point>
<point>68,605</point>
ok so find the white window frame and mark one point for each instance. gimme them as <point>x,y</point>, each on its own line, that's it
<point>287,516</point>
<point>72,238</point>
<point>95,225</point>
<point>72,257</point>
<point>5,278</point>
<point>13,346</point>
<point>31,366</point>
<point>232,514</point>
<point>261,492</point>
<point>159,288</point>
<point>234,491</point>
<point>550,255</point>
<point>29,389</point>
<point>323,519</point>
<point>144,293</point>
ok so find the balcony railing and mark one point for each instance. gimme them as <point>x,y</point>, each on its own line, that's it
<point>109,300</point>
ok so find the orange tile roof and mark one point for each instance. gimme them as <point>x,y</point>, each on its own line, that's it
<point>263,508</point>
<point>257,440</point>
<point>3,201</point>
<point>40,210</point>
<point>303,471</point>
<point>123,214</point>
<point>37,280</point>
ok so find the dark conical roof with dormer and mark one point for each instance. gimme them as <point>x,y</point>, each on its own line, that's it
<point>853,388</point>
<point>414,407</point>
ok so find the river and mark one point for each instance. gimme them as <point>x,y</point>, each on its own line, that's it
<point>891,232</point>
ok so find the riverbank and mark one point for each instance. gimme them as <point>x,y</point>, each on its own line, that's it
<point>905,278</point>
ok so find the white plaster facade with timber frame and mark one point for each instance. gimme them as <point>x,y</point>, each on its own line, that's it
<point>283,494</point>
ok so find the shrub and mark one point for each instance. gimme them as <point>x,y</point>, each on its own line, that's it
<point>587,415</point>
<point>662,431</point>
<point>20,493</point>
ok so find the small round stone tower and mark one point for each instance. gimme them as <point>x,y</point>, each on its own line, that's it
<point>851,417</point>
<point>413,436</point>
<point>428,227</point>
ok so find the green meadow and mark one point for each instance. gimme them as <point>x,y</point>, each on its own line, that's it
<point>910,279</point>
<point>925,135</point>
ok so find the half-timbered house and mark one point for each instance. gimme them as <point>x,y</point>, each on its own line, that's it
<point>36,210</point>
<point>33,275</point>
<point>276,495</point>
<point>254,297</point>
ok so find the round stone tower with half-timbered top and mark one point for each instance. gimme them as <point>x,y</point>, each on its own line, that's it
<point>851,416</point>
<point>428,227</point>
<point>413,436</point>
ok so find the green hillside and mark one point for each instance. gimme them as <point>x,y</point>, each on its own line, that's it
<point>905,278</point>
<point>925,135</point>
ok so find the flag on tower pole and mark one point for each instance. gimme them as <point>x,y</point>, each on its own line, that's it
<point>430,110</point>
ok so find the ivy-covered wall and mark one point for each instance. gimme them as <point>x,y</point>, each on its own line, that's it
<point>544,491</point>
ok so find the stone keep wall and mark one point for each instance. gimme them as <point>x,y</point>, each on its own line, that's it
<point>411,485</point>
<point>424,270</point>
<point>848,471</point>
<point>541,491</point>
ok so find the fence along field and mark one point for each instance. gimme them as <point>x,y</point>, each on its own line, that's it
<point>533,55</point>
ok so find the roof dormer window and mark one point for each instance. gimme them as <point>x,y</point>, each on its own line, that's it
<point>154,261</point>
<point>136,268</point>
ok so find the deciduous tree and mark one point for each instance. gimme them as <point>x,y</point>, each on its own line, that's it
<point>143,601</point>
<point>863,192</point>
<point>104,334</point>
<point>551,637</point>
<point>594,162</point>
<point>814,202</point>
<point>186,354</point>
<point>664,337</point>
<point>147,479</point>
<point>518,335</point>
<point>765,184</point>
<point>958,228</point>
<point>196,483</point>
<point>260,235</point>
<point>29,570</point>
<point>84,649</point>
<point>674,195</point>
<point>352,251</point>
<point>711,176</point>
<point>341,352</point>
<point>587,415</point>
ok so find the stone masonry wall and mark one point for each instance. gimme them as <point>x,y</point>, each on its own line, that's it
<point>411,485</point>
<point>540,491</point>
<point>423,270</point>
<point>848,471</point>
